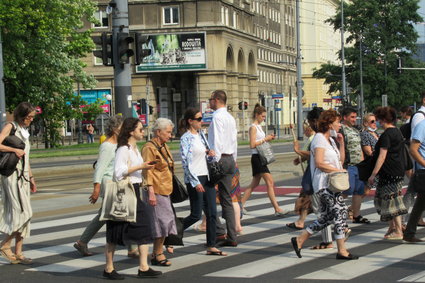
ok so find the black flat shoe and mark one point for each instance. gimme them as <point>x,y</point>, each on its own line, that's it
<point>149,273</point>
<point>113,275</point>
<point>349,257</point>
<point>295,246</point>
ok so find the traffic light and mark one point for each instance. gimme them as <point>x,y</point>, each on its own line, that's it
<point>243,104</point>
<point>143,106</point>
<point>142,49</point>
<point>106,51</point>
<point>124,50</point>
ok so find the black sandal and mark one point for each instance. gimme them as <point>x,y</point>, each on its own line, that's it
<point>360,219</point>
<point>163,262</point>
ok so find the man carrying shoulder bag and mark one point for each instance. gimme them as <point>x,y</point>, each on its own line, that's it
<point>417,150</point>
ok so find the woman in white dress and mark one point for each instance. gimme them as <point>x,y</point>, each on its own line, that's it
<point>16,211</point>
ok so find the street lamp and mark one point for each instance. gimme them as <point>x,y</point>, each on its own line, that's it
<point>109,99</point>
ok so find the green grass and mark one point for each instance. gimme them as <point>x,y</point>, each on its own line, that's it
<point>93,149</point>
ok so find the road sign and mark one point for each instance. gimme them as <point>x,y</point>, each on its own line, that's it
<point>277,96</point>
<point>278,109</point>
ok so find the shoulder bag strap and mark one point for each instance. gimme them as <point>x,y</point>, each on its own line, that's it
<point>163,156</point>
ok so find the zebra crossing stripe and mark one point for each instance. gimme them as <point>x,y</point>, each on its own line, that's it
<point>366,264</point>
<point>418,277</point>
<point>96,260</point>
<point>285,260</point>
<point>200,258</point>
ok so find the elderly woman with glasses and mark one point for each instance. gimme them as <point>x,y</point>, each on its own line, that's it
<point>159,181</point>
<point>369,136</point>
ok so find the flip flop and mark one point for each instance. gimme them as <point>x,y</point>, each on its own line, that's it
<point>293,226</point>
<point>295,246</point>
<point>218,253</point>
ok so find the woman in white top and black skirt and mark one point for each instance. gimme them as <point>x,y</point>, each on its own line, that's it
<point>256,138</point>
<point>129,162</point>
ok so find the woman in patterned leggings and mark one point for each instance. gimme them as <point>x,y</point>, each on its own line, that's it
<point>326,158</point>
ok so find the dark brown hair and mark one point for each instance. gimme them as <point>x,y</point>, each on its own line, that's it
<point>220,95</point>
<point>21,111</point>
<point>129,125</point>
<point>258,110</point>
<point>184,122</point>
<point>326,119</point>
<point>386,114</point>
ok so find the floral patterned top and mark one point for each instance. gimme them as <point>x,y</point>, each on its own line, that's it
<point>368,139</point>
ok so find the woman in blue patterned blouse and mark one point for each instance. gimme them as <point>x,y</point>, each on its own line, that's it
<point>194,152</point>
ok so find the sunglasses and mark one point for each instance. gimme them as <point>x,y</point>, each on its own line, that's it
<point>372,122</point>
<point>199,119</point>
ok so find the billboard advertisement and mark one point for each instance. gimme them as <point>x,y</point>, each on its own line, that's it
<point>174,52</point>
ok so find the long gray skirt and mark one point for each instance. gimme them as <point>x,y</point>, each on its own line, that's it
<point>163,217</point>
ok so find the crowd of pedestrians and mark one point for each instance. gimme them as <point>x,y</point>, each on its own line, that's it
<point>373,155</point>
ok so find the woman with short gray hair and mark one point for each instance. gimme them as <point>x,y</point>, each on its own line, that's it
<point>103,171</point>
<point>159,181</point>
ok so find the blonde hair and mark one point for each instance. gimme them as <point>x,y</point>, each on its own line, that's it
<point>366,118</point>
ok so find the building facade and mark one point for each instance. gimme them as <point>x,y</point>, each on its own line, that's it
<point>248,47</point>
<point>319,45</point>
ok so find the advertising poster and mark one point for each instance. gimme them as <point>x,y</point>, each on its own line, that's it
<point>174,52</point>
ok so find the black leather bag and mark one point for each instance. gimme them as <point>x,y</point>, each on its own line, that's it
<point>215,170</point>
<point>176,240</point>
<point>9,160</point>
<point>366,167</point>
<point>179,193</point>
<point>418,181</point>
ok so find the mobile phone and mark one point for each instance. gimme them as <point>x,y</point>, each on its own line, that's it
<point>152,162</point>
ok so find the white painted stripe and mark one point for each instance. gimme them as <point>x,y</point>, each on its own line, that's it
<point>418,277</point>
<point>193,240</point>
<point>275,263</point>
<point>200,258</point>
<point>366,264</point>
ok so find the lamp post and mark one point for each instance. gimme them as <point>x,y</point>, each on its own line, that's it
<point>344,87</point>
<point>299,80</point>
<point>109,99</point>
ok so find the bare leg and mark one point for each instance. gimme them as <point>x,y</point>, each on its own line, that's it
<point>158,252</point>
<point>302,238</point>
<point>143,257</point>
<point>254,183</point>
<point>342,250</point>
<point>300,221</point>
<point>19,241</point>
<point>237,210</point>
<point>270,191</point>
<point>356,202</point>
<point>397,226</point>
<point>109,254</point>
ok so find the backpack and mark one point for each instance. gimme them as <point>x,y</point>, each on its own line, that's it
<point>406,129</point>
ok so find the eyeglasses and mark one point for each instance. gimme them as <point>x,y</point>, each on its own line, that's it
<point>372,122</point>
<point>199,119</point>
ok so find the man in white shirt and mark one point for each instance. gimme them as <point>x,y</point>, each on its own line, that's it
<point>409,196</point>
<point>222,137</point>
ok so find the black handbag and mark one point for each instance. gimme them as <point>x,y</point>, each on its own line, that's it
<point>9,160</point>
<point>179,193</point>
<point>215,169</point>
<point>366,167</point>
<point>307,181</point>
<point>418,181</point>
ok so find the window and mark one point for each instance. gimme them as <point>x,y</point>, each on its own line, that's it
<point>225,15</point>
<point>235,19</point>
<point>171,15</point>
<point>103,18</point>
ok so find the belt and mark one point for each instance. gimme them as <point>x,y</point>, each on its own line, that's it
<point>225,154</point>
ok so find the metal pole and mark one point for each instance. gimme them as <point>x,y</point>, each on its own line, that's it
<point>361,81</point>
<point>122,72</point>
<point>80,125</point>
<point>299,77</point>
<point>2,92</point>
<point>344,87</point>
<point>148,136</point>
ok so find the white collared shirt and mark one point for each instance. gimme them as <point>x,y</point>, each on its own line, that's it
<point>126,157</point>
<point>222,134</point>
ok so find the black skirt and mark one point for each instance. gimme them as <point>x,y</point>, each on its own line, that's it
<point>257,167</point>
<point>139,232</point>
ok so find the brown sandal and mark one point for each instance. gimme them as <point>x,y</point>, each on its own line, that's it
<point>10,256</point>
<point>23,260</point>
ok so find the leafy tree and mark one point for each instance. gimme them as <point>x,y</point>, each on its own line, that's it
<point>42,48</point>
<point>385,29</point>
